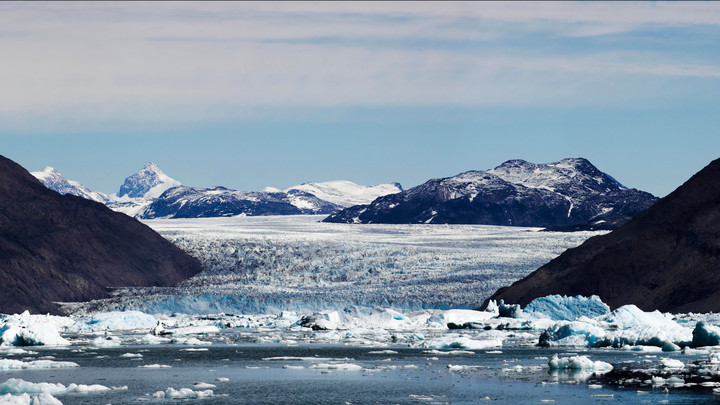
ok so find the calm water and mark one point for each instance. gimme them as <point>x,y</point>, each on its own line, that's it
<point>406,377</point>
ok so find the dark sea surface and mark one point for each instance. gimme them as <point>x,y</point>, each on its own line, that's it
<point>409,376</point>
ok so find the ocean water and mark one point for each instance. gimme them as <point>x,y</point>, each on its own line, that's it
<point>299,374</point>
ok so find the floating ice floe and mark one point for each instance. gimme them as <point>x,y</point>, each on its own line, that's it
<point>191,341</point>
<point>671,363</point>
<point>15,351</point>
<point>189,330</point>
<point>182,393</point>
<point>26,399</point>
<point>461,342</point>
<point>153,340</point>
<point>107,341</point>
<point>9,364</point>
<point>337,366</point>
<point>287,366</point>
<point>32,330</point>
<point>458,368</point>
<point>578,363</point>
<point>16,386</point>
<point>449,352</point>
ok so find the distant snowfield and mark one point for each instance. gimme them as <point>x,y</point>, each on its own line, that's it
<point>280,263</point>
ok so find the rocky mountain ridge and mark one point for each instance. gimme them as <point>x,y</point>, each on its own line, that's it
<point>519,193</point>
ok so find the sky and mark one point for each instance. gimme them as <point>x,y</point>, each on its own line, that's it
<point>248,95</point>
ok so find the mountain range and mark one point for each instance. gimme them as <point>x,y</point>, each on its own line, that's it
<point>568,195</point>
<point>571,193</point>
<point>665,258</point>
<point>150,193</point>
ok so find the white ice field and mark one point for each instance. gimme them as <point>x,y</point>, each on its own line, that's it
<point>280,263</point>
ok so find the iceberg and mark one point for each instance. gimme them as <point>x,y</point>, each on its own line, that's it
<point>107,341</point>
<point>16,386</point>
<point>671,363</point>
<point>576,333</point>
<point>564,308</point>
<point>705,335</point>
<point>461,342</point>
<point>578,363</point>
<point>9,364</point>
<point>337,366</point>
<point>182,393</point>
<point>32,330</point>
<point>627,325</point>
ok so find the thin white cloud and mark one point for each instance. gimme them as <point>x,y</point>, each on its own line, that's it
<point>194,61</point>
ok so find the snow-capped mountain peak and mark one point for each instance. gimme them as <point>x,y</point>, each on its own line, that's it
<point>53,180</point>
<point>346,193</point>
<point>566,176</point>
<point>559,194</point>
<point>148,182</point>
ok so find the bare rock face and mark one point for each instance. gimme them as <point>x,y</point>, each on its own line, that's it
<point>665,258</point>
<point>57,247</point>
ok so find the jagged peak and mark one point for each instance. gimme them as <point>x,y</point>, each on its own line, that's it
<point>149,181</point>
<point>578,163</point>
<point>150,168</point>
<point>514,163</point>
<point>566,162</point>
<point>48,169</point>
<point>46,172</point>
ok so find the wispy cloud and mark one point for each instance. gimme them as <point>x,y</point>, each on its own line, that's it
<point>207,60</point>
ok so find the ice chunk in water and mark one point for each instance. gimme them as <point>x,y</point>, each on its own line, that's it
<point>578,363</point>
<point>564,308</point>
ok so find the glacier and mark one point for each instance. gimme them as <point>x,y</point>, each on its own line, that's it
<point>297,263</point>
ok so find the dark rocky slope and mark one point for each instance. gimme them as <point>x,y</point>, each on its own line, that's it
<point>57,247</point>
<point>666,258</point>
<point>191,202</point>
<point>562,194</point>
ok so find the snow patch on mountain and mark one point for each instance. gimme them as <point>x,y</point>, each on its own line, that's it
<point>149,182</point>
<point>53,180</point>
<point>345,193</point>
